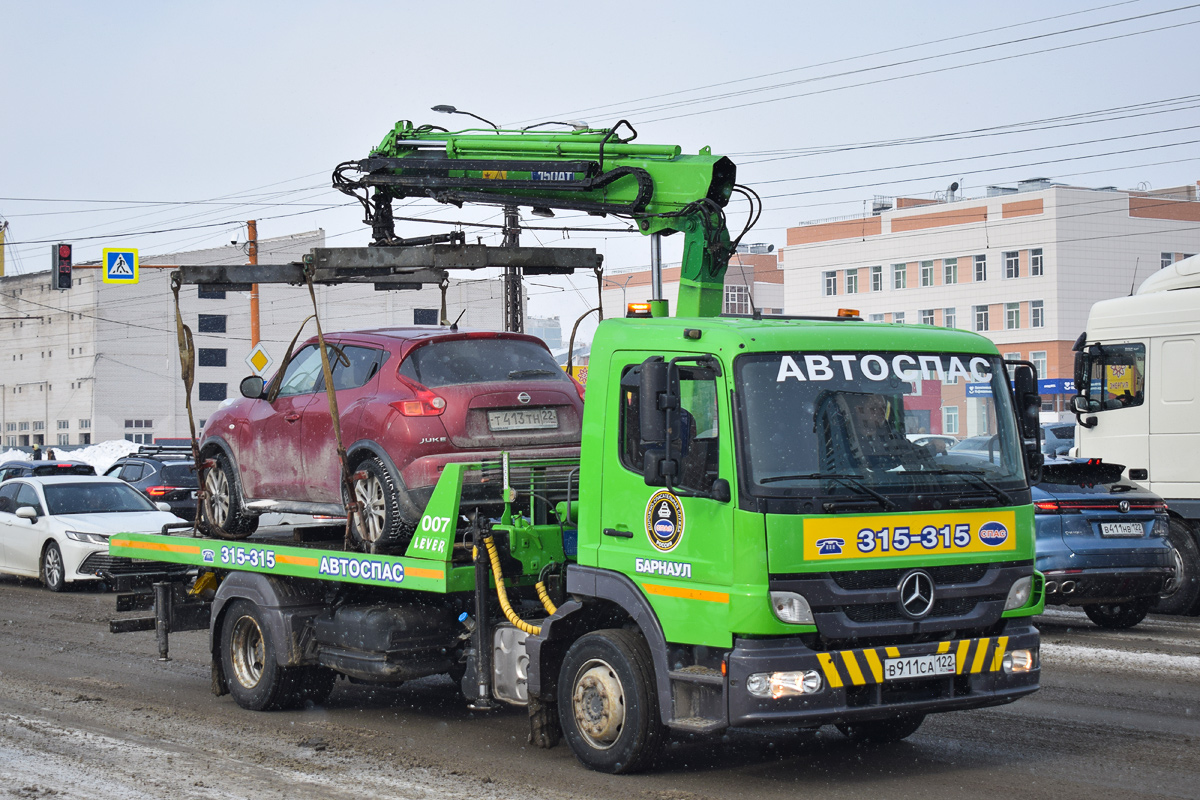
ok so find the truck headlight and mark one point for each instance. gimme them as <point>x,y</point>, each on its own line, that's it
<point>1018,595</point>
<point>791,608</point>
<point>784,684</point>
<point>1019,661</point>
<point>90,538</point>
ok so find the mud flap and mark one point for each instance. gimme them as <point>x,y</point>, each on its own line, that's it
<point>544,730</point>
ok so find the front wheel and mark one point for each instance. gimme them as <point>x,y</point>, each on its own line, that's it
<point>1183,592</point>
<point>882,731</point>
<point>608,702</point>
<point>1119,616</point>
<point>223,513</point>
<point>54,572</point>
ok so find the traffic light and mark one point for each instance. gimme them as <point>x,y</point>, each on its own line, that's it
<point>62,263</point>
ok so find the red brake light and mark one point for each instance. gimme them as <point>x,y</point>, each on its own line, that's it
<point>427,403</point>
<point>1046,507</point>
<point>159,491</point>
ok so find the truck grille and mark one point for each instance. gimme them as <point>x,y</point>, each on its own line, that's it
<point>860,605</point>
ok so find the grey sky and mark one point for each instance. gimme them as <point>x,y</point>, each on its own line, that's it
<point>187,102</point>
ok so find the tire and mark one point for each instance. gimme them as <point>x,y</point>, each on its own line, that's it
<point>1183,594</point>
<point>608,702</point>
<point>383,520</point>
<point>1119,616</point>
<point>252,673</point>
<point>882,731</point>
<point>222,514</point>
<point>53,570</point>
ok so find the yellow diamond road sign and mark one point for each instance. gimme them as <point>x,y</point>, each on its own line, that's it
<point>260,360</point>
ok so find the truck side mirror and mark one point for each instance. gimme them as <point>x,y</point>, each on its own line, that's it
<point>1082,402</point>
<point>252,387</point>
<point>653,389</point>
<point>1029,408</point>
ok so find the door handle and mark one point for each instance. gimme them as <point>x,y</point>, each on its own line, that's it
<point>618,534</point>
<point>291,417</point>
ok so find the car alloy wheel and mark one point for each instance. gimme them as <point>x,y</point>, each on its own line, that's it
<point>370,496</point>
<point>217,496</point>
<point>53,571</point>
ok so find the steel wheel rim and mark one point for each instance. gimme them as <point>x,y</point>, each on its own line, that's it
<point>217,498</point>
<point>373,507</point>
<point>54,566</point>
<point>598,702</point>
<point>247,651</point>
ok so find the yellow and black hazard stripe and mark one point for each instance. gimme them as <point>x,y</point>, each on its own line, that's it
<point>865,667</point>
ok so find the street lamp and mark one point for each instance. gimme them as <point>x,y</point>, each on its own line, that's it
<point>443,109</point>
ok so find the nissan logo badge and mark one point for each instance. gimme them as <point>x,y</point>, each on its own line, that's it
<point>916,594</point>
<point>523,398</point>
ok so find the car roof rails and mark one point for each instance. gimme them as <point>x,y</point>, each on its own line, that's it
<point>164,450</point>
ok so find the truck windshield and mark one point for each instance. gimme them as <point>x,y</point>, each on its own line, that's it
<point>886,430</point>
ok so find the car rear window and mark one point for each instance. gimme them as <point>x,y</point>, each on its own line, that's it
<point>179,475</point>
<point>460,361</point>
<point>64,469</point>
<point>94,498</point>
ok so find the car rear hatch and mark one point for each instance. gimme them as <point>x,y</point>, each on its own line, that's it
<point>501,393</point>
<point>176,484</point>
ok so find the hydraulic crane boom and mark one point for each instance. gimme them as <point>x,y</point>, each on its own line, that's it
<point>592,170</point>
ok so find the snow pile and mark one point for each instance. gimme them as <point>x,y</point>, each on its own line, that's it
<point>101,456</point>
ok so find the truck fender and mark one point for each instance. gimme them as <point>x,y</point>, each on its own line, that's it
<point>568,624</point>
<point>407,506</point>
<point>287,607</point>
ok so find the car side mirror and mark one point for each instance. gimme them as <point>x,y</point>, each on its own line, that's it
<point>252,387</point>
<point>27,512</point>
<point>163,506</point>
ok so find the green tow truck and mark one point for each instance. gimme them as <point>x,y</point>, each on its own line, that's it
<point>748,538</point>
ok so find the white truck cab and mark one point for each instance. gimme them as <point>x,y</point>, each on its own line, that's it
<point>1137,378</point>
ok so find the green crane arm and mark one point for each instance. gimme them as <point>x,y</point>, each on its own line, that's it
<point>592,170</point>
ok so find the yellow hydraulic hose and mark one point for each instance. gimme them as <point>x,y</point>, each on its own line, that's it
<point>544,596</point>
<point>502,594</point>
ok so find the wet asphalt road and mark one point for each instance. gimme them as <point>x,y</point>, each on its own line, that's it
<point>84,713</point>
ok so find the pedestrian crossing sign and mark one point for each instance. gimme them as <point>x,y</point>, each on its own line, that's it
<point>120,265</point>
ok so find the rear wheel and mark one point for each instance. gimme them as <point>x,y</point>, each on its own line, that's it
<point>1184,590</point>
<point>1118,616</point>
<point>608,702</point>
<point>882,731</point>
<point>379,498</point>
<point>223,513</point>
<point>252,672</point>
<point>54,572</point>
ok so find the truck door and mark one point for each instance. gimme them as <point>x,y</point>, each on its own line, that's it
<point>676,544</point>
<point>1117,396</point>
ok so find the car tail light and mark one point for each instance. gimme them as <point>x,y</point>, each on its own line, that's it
<point>426,404</point>
<point>578,386</point>
<point>161,491</point>
<point>1046,507</point>
<point>1060,507</point>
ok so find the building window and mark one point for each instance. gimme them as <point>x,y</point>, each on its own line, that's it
<point>981,318</point>
<point>211,323</point>
<point>1038,359</point>
<point>64,425</point>
<point>85,438</point>
<point>980,268</point>
<point>899,276</point>
<point>11,441</point>
<point>950,419</point>
<point>1036,265</point>
<point>851,281</point>
<point>22,426</point>
<point>10,426</point>
<point>1012,264</point>
<point>64,438</point>
<point>212,357</point>
<point>927,316</point>
<point>737,300</point>
<point>1037,314</point>
<point>830,283</point>
<point>1012,316</point>
<point>1012,356</point>
<point>139,423</point>
<point>927,273</point>
<point>140,438</point>
<point>1165,260</point>
<point>876,279</point>
<point>210,294</point>
<point>950,270</point>
<point>898,317</point>
<point>876,318</point>
<point>212,391</point>
<point>39,425</point>
<point>949,318</point>
<point>430,316</point>
<point>85,424</point>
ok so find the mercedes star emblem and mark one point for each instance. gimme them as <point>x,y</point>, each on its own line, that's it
<point>916,594</point>
<point>523,397</point>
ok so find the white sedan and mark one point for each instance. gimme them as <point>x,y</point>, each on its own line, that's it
<point>57,528</point>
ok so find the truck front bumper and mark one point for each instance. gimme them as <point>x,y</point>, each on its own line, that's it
<point>854,685</point>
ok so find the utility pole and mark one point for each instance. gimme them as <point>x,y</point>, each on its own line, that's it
<point>514,308</point>
<point>252,237</point>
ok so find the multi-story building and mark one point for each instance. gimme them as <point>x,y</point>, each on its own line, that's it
<point>1022,265</point>
<point>100,361</point>
<point>753,275</point>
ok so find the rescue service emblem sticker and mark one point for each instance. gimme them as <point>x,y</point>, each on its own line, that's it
<point>664,521</point>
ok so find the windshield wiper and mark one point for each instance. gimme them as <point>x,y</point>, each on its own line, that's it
<point>529,373</point>
<point>1004,496</point>
<point>844,478</point>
